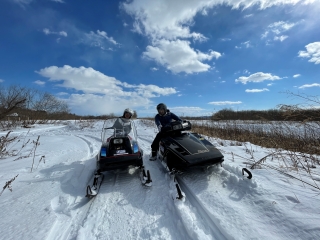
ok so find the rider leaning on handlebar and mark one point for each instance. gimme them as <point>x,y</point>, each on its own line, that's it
<point>163,118</point>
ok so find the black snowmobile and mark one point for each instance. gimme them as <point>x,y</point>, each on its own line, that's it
<point>181,150</point>
<point>119,150</point>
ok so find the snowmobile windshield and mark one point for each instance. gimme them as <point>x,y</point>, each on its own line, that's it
<point>118,127</point>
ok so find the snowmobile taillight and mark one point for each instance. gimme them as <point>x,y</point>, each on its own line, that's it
<point>103,152</point>
<point>135,148</point>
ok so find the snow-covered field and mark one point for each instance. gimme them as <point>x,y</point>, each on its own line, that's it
<point>49,203</point>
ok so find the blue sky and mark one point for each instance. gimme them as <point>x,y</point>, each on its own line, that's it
<point>198,57</point>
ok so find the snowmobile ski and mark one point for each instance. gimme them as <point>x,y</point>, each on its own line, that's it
<point>176,192</point>
<point>145,177</point>
<point>93,190</point>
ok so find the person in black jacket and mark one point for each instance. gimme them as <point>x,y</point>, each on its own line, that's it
<point>163,118</point>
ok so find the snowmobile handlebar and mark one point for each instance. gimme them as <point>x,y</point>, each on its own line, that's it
<point>177,126</point>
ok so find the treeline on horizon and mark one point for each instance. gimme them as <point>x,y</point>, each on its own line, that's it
<point>25,104</point>
<point>287,113</point>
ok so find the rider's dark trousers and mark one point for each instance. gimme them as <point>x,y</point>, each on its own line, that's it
<point>156,141</point>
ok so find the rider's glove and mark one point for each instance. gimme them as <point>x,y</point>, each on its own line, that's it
<point>166,128</point>
<point>159,127</point>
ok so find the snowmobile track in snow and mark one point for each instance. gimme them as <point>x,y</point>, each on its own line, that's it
<point>206,216</point>
<point>206,221</point>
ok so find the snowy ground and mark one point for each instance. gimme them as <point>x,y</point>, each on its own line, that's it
<point>49,203</point>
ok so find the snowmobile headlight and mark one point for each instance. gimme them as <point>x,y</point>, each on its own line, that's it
<point>176,127</point>
<point>118,141</point>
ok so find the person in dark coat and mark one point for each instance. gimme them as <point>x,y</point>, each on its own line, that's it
<point>163,118</point>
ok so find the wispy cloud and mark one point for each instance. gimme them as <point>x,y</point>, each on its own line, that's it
<point>22,2</point>
<point>48,32</point>
<point>258,77</point>
<point>221,103</point>
<point>99,39</point>
<point>313,52</point>
<point>248,15</point>
<point>257,90</point>
<point>1,80</point>
<point>276,30</point>
<point>246,44</point>
<point>280,38</point>
<point>310,85</point>
<point>40,83</point>
<point>296,75</point>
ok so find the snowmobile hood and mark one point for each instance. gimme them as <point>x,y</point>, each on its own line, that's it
<point>189,143</point>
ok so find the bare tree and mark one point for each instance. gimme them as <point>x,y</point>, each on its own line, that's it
<point>12,98</point>
<point>49,103</point>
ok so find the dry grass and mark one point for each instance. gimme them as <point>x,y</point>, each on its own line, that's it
<point>295,147</point>
<point>282,135</point>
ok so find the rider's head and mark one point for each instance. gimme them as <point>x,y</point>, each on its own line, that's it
<point>127,113</point>
<point>162,109</point>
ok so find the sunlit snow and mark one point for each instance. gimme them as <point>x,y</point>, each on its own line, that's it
<point>221,203</point>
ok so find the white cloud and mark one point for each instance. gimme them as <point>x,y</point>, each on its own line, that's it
<point>296,75</point>
<point>167,20</point>
<point>177,56</point>
<point>172,19</point>
<point>98,93</point>
<point>313,52</point>
<point>257,90</point>
<point>40,83</point>
<point>61,33</point>
<point>1,80</point>
<point>59,1</point>
<point>224,103</point>
<point>310,85</point>
<point>258,77</point>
